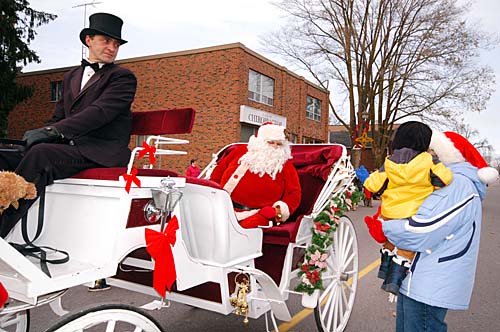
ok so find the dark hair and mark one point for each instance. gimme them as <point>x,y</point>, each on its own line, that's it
<point>414,135</point>
<point>193,160</point>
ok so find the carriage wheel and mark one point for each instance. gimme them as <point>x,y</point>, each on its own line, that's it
<point>339,281</point>
<point>108,318</point>
<point>15,322</point>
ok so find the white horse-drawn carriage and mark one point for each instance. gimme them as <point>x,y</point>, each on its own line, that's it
<point>219,265</point>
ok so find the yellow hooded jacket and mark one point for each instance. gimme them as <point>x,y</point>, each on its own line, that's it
<point>409,184</point>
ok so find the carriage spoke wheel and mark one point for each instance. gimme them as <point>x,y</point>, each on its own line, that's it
<point>15,322</point>
<point>339,281</point>
<point>108,318</point>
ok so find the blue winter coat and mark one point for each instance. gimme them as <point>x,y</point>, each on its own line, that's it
<point>445,233</point>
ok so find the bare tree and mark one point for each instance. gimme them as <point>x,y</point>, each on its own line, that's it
<point>393,59</point>
<point>481,144</point>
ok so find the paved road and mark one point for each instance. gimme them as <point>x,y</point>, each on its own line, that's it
<point>371,311</point>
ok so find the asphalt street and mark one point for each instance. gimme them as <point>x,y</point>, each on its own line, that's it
<point>372,311</point>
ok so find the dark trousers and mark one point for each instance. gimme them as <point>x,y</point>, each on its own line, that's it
<point>41,165</point>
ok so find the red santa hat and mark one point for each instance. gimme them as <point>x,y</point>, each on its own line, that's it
<point>451,147</point>
<point>270,131</point>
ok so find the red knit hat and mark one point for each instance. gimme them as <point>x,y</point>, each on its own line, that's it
<point>451,148</point>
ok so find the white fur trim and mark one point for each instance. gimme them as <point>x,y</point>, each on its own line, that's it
<point>235,178</point>
<point>487,175</point>
<point>245,214</point>
<point>445,149</point>
<point>271,132</point>
<point>285,211</point>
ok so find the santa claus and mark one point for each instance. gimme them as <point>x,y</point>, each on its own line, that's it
<point>261,179</point>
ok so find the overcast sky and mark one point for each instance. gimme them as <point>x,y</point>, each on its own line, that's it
<point>159,26</point>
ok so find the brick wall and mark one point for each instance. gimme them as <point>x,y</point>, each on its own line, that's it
<point>213,81</point>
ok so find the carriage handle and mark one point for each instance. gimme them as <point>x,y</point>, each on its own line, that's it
<point>157,141</point>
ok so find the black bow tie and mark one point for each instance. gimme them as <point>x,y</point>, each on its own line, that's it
<point>95,66</point>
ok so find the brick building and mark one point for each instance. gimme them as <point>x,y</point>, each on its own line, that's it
<point>232,88</point>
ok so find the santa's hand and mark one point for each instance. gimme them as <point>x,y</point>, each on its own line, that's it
<point>375,228</point>
<point>268,212</point>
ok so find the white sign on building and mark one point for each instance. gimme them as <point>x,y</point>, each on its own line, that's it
<point>257,117</point>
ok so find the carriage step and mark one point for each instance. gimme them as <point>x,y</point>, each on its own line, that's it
<point>271,292</point>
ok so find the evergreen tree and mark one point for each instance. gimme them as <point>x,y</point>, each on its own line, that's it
<point>17,29</point>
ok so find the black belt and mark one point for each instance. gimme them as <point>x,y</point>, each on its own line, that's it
<point>242,207</point>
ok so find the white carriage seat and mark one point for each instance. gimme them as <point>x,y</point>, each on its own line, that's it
<point>209,227</point>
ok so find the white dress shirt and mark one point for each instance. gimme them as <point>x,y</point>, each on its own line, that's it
<point>88,72</point>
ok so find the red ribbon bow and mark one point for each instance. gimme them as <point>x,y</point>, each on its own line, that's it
<point>129,178</point>
<point>148,149</point>
<point>158,245</point>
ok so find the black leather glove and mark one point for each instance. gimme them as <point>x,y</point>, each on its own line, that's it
<point>42,135</point>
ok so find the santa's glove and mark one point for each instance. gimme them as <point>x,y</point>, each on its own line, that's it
<point>47,134</point>
<point>4,296</point>
<point>375,227</point>
<point>268,212</point>
<point>255,221</point>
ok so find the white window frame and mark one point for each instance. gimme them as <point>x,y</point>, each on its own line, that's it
<point>313,108</point>
<point>56,88</point>
<point>260,88</point>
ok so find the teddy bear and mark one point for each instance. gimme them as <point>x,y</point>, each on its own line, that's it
<point>12,188</point>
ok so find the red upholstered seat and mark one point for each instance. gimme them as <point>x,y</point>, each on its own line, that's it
<point>113,173</point>
<point>313,164</point>
<point>156,122</point>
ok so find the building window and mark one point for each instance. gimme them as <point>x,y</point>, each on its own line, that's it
<point>313,110</point>
<point>260,88</point>
<point>247,131</point>
<point>310,140</point>
<point>56,90</point>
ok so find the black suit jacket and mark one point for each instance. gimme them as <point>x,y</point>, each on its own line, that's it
<point>98,118</point>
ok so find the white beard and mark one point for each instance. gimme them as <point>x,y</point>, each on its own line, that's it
<point>263,158</point>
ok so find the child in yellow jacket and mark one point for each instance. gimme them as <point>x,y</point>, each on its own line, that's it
<point>405,180</point>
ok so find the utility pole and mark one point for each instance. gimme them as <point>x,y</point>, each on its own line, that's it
<point>84,5</point>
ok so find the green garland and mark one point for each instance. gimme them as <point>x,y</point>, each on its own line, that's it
<point>317,252</point>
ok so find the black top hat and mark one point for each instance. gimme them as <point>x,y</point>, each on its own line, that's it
<point>104,24</point>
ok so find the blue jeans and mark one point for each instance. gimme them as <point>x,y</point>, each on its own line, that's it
<point>414,316</point>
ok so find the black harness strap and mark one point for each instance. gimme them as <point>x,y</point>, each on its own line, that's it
<point>32,250</point>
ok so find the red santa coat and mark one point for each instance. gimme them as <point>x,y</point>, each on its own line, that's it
<point>256,192</point>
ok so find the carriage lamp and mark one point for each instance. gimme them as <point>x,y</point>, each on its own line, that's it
<point>165,198</point>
